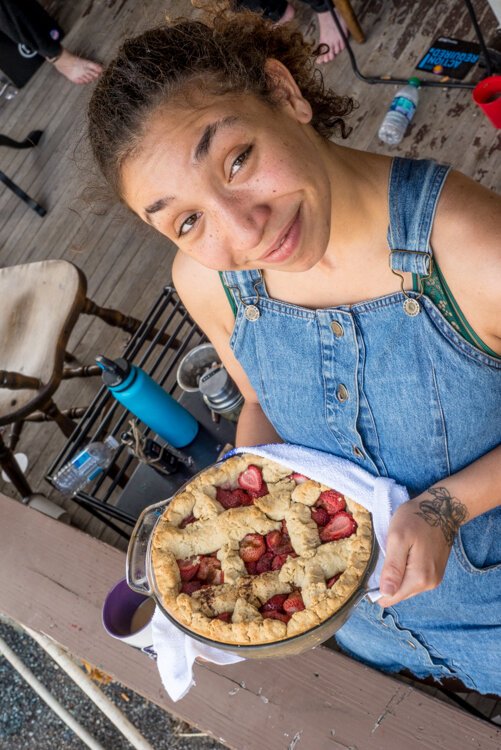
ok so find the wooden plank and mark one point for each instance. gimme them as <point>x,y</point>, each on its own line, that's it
<point>321,699</point>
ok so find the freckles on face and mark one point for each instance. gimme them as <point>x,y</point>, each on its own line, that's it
<point>222,181</point>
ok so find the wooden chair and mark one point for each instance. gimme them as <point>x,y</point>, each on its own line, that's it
<point>40,304</point>
<point>345,10</point>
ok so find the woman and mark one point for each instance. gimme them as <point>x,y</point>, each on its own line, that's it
<point>216,134</point>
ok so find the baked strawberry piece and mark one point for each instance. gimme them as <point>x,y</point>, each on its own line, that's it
<point>331,501</point>
<point>340,526</point>
<point>331,581</point>
<point>252,481</point>
<point>233,498</point>
<point>320,516</point>
<point>252,547</point>
<point>298,478</point>
<point>273,615</point>
<point>186,521</point>
<point>210,570</point>
<point>188,568</point>
<point>189,587</point>
<point>276,603</point>
<point>294,603</point>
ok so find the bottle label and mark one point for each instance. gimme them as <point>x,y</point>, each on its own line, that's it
<point>82,459</point>
<point>404,106</point>
<point>95,473</point>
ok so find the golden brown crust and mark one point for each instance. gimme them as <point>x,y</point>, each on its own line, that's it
<point>218,530</point>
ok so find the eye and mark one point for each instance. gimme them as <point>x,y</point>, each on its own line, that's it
<point>239,162</point>
<point>188,224</point>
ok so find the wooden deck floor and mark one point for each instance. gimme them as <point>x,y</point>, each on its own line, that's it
<point>125,262</point>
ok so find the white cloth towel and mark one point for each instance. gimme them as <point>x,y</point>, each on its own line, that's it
<point>176,651</point>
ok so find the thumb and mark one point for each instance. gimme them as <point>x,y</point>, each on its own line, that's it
<point>394,565</point>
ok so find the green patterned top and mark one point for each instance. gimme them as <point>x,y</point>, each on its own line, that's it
<point>435,288</point>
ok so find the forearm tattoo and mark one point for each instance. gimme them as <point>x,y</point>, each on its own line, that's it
<point>443,510</point>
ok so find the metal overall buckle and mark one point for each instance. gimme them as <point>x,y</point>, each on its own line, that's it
<point>251,311</point>
<point>411,304</point>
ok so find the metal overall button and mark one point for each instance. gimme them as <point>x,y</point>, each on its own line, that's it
<point>337,329</point>
<point>411,307</point>
<point>251,312</point>
<point>342,393</point>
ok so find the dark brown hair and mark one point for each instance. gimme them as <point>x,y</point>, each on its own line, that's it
<point>225,52</point>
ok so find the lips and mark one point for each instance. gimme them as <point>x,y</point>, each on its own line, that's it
<point>286,243</point>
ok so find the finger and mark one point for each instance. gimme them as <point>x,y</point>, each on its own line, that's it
<point>394,566</point>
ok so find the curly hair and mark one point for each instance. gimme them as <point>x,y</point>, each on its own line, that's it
<point>225,52</point>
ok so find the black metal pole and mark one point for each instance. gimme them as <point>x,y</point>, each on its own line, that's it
<point>21,194</point>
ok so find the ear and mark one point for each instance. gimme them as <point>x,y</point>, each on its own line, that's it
<point>288,93</point>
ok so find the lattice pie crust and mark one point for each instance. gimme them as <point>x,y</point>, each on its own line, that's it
<point>219,530</point>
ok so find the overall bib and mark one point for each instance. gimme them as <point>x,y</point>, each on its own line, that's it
<point>403,396</point>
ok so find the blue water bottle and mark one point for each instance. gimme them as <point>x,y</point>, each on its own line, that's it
<point>148,401</point>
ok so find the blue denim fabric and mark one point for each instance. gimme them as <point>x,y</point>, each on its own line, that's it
<point>422,404</point>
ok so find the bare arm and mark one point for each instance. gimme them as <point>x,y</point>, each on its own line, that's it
<point>204,297</point>
<point>422,530</point>
<point>466,243</point>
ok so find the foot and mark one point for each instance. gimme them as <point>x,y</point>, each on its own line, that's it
<point>77,69</point>
<point>287,16</point>
<point>329,34</point>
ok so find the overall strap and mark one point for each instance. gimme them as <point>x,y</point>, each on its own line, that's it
<point>414,190</point>
<point>244,286</point>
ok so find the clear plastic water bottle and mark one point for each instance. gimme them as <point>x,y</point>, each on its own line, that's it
<point>85,466</point>
<point>400,113</point>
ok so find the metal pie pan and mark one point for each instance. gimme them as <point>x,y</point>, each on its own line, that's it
<point>141,578</point>
<point>296,644</point>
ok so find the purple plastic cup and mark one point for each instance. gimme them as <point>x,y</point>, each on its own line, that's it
<point>127,615</point>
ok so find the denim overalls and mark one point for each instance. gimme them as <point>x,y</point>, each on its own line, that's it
<point>403,396</point>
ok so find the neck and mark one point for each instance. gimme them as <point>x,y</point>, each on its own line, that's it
<point>359,212</point>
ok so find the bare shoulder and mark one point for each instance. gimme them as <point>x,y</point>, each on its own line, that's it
<point>466,241</point>
<point>469,215</point>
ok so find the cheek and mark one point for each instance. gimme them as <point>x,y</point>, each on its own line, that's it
<point>210,253</point>
<point>277,176</point>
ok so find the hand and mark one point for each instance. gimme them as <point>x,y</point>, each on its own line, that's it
<point>417,551</point>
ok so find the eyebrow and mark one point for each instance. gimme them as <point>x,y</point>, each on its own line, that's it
<point>203,146</point>
<point>158,205</point>
<point>201,152</point>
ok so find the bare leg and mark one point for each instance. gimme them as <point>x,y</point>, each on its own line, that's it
<point>287,16</point>
<point>329,34</point>
<point>77,69</point>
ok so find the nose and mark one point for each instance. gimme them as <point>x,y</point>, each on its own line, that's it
<point>240,224</point>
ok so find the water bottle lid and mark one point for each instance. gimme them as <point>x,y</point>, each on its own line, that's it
<point>415,82</point>
<point>114,371</point>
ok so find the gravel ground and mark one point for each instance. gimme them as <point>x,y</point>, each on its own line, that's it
<point>27,723</point>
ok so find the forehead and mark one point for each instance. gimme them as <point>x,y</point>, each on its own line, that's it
<point>172,133</point>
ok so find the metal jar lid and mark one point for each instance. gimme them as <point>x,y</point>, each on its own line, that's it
<point>219,391</point>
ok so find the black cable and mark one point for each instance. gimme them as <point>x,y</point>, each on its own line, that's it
<point>424,82</point>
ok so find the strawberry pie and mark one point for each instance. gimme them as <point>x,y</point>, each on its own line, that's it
<point>251,552</point>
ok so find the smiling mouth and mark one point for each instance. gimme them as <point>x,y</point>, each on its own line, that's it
<point>287,242</point>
